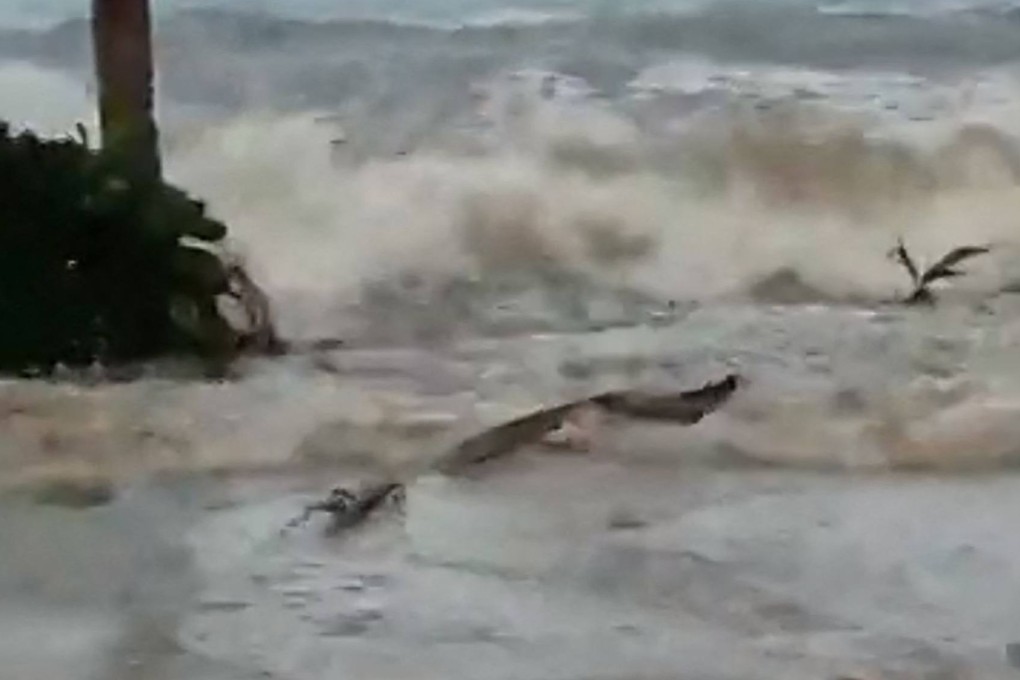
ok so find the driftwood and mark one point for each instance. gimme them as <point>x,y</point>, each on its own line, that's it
<point>942,269</point>
<point>349,508</point>
<point>506,438</point>
<point>685,408</point>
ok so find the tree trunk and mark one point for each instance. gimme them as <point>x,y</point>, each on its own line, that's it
<point>122,44</point>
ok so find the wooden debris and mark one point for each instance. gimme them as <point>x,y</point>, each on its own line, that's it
<point>506,438</point>
<point>348,508</point>
<point>578,430</point>
<point>685,408</point>
<point>942,269</point>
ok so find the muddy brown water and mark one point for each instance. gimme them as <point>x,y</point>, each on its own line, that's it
<point>850,515</point>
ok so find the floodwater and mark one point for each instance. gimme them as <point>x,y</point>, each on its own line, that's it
<point>850,514</point>
<point>499,205</point>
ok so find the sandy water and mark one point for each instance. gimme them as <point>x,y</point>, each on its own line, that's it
<point>501,206</point>
<point>849,513</point>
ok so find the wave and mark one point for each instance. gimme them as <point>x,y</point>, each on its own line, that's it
<point>539,189</point>
<point>708,214</point>
<point>548,210</point>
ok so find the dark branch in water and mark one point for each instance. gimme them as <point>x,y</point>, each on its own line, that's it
<point>903,257</point>
<point>684,408</point>
<point>506,438</point>
<point>348,508</point>
<point>942,269</point>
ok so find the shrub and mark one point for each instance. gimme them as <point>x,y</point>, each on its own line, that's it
<point>100,266</point>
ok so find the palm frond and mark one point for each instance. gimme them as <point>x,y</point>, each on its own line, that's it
<point>944,268</point>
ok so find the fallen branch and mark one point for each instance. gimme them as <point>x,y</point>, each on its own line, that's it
<point>348,508</point>
<point>685,408</point>
<point>942,269</point>
<point>506,438</point>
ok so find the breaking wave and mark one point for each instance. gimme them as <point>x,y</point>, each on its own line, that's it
<point>418,182</point>
<point>711,212</point>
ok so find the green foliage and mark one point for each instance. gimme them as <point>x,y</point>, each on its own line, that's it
<point>96,265</point>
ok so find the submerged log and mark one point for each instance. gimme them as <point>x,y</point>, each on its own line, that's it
<point>506,438</point>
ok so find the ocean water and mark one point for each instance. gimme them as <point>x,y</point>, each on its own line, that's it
<point>735,139</point>
<point>501,205</point>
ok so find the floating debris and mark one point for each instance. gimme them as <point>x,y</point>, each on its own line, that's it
<point>943,269</point>
<point>349,508</point>
<point>685,408</point>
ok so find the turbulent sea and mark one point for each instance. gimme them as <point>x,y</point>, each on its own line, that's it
<point>501,205</point>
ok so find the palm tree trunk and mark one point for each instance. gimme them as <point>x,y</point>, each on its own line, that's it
<point>122,45</point>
